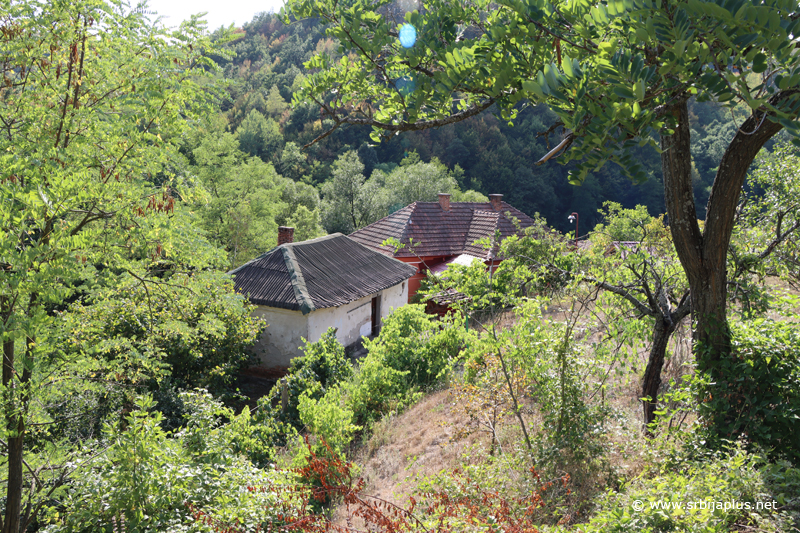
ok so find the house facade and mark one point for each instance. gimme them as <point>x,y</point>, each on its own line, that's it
<point>303,289</point>
<point>436,234</point>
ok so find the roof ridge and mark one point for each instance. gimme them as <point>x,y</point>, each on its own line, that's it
<point>404,236</point>
<point>390,215</point>
<point>494,216</point>
<point>440,233</point>
<point>272,250</point>
<point>298,281</point>
<point>262,256</point>
<point>311,241</point>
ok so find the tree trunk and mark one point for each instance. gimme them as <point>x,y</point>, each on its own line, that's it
<point>662,332</point>
<point>704,255</point>
<point>11,420</point>
<point>676,162</point>
<point>15,477</point>
<point>711,331</point>
<point>15,405</point>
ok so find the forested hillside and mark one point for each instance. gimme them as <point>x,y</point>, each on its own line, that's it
<point>483,153</point>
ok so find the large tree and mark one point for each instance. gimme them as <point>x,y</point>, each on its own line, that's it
<point>617,74</point>
<point>91,94</point>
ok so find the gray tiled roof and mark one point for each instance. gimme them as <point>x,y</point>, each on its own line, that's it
<point>442,233</point>
<point>325,272</point>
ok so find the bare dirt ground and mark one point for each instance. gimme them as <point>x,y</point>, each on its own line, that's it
<point>418,442</point>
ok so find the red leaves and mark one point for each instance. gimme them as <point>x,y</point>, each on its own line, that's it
<point>165,205</point>
<point>557,46</point>
<point>470,507</point>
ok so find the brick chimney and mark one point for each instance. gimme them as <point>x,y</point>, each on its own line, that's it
<point>497,201</point>
<point>444,201</point>
<point>285,235</point>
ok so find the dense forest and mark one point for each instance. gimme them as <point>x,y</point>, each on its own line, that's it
<point>261,121</point>
<point>569,389</point>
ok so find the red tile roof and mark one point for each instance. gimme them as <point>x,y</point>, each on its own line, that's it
<point>436,232</point>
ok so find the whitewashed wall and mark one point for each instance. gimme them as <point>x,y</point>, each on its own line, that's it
<point>394,298</point>
<point>281,340</point>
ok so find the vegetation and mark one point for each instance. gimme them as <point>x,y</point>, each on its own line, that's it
<point>491,156</point>
<point>140,164</point>
<point>755,394</point>
<point>617,77</point>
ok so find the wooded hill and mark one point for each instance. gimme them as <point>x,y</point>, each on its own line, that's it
<point>483,153</point>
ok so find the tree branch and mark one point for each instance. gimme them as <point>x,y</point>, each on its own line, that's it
<point>414,126</point>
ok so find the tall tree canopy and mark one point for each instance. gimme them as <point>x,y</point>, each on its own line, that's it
<point>92,92</point>
<point>618,74</point>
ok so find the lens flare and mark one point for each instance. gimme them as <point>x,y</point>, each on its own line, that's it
<point>408,35</point>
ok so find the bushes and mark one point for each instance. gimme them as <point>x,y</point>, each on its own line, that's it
<point>323,365</point>
<point>413,351</point>
<point>727,492</point>
<point>755,393</point>
<point>328,418</point>
<point>124,338</point>
<point>377,390</point>
<point>195,329</point>
<point>150,481</point>
<point>333,402</point>
<point>415,342</point>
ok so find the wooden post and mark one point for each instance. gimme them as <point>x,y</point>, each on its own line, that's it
<point>284,394</point>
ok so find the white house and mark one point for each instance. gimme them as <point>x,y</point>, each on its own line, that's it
<point>302,289</point>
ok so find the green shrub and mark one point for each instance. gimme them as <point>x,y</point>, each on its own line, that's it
<point>755,393</point>
<point>197,331</point>
<point>257,435</point>
<point>148,480</point>
<point>329,418</point>
<point>377,390</point>
<point>323,365</point>
<point>413,351</point>
<point>212,428</point>
<point>419,344</point>
<point>726,492</point>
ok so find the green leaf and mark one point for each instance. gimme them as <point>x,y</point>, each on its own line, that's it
<point>623,92</point>
<point>639,90</point>
<point>760,63</point>
<point>567,66</point>
<point>533,87</point>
